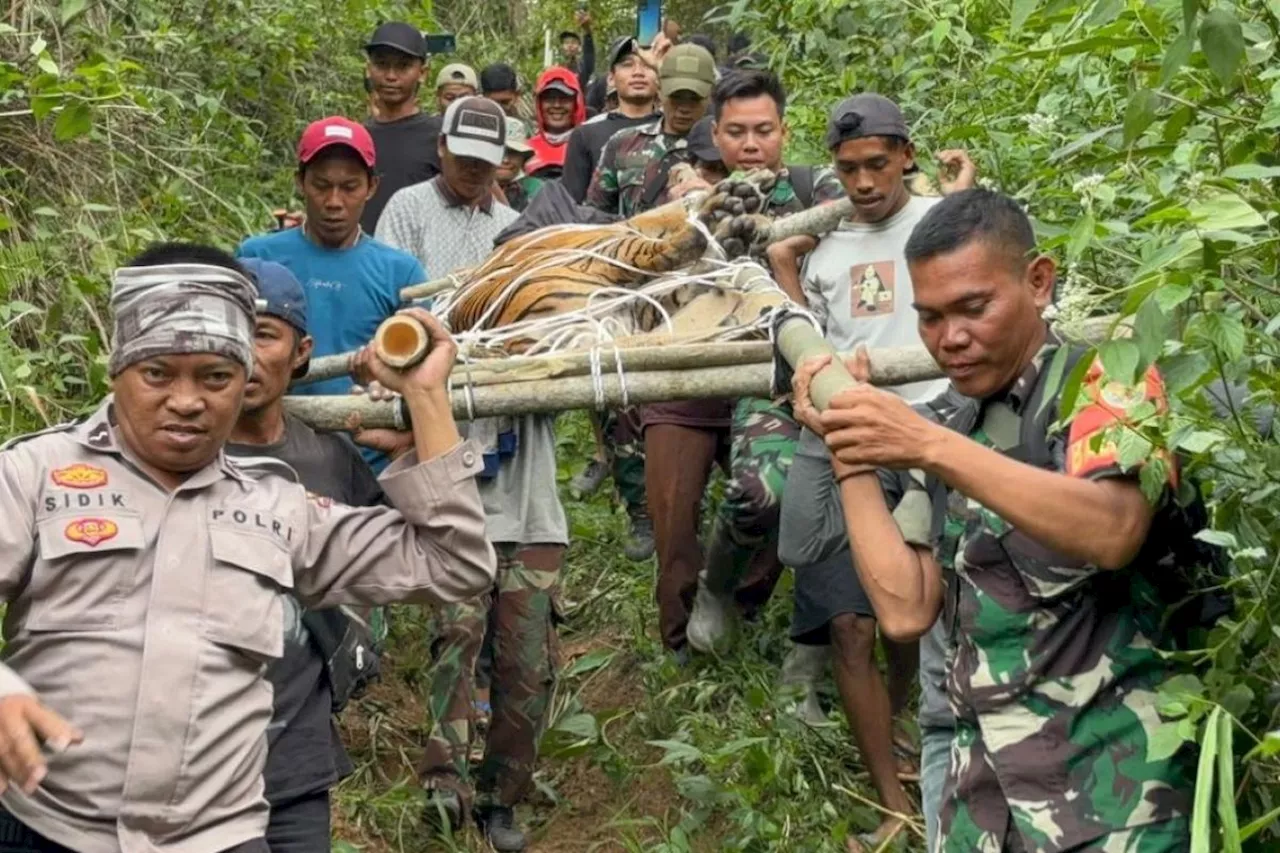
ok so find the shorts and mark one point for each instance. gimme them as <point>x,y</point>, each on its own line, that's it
<point>823,591</point>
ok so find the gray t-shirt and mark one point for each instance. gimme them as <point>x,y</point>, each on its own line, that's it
<point>857,285</point>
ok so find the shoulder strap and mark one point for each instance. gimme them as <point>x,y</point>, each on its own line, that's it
<point>1033,435</point>
<point>19,439</point>
<point>658,185</point>
<point>802,183</point>
<point>257,467</point>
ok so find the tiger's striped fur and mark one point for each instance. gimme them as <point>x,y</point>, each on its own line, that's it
<point>555,270</point>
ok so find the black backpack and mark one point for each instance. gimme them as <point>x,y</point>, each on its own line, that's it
<point>802,183</point>
<point>351,655</point>
<point>1190,576</point>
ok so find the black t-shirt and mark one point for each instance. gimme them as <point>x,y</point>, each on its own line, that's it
<point>585,144</point>
<point>407,154</point>
<point>328,464</point>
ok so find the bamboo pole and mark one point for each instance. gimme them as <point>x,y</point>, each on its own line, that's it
<point>889,366</point>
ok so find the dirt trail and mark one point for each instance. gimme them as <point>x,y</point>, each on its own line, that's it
<point>594,810</point>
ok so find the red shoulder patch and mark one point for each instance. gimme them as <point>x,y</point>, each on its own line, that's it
<point>91,531</point>
<point>79,476</point>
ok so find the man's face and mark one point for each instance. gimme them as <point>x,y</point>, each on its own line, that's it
<point>505,98</point>
<point>278,350</point>
<point>557,110</point>
<point>469,179</point>
<point>395,75</point>
<point>872,170</point>
<point>335,190</point>
<point>636,82</point>
<point>683,110</point>
<point>750,134</point>
<point>570,47</point>
<point>450,92</point>
<point>980,312</point>
<point>176,411</point>
<point>511,168</point>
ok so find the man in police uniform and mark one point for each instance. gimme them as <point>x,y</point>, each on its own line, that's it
<point>1055,665</point>
<point>145,573</point>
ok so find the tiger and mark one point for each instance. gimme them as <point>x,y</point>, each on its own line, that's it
<point>556,270</point>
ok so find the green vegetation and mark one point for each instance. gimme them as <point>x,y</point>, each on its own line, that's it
<point>1142,136</point>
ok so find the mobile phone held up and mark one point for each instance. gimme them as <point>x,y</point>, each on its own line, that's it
<point>648,21</point>
<point>438,43</point>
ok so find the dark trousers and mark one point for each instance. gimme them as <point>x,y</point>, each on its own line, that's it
<point>301,825</point>
<point>678,462</point>
<point>15,837</point>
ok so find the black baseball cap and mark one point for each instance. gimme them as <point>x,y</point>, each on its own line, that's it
<point>701,143</point>
<point>621,49</point>
<point>862,115</point>
<point>499,77</point>
<point>400,36</point>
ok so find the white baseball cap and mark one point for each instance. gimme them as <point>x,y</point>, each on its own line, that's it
<point>476,127</point>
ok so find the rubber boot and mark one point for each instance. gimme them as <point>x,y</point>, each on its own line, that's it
<point>714,612</point>
<point>802,669</point>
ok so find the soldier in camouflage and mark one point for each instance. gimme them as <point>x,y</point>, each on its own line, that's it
<point>1054,665</point>
<point>741,568</point>
<point>631,178</point>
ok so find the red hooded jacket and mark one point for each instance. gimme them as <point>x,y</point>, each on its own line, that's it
<point>548,154</point>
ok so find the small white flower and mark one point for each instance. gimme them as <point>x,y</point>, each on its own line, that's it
<point>1085,185</point>
<point>1040,124</point>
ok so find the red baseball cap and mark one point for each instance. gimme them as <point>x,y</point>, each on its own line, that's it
<point>336,130</point>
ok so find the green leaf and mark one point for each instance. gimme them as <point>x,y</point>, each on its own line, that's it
<point>1222,40</point>
<point>1224,211</point>
<point>1071,388</point>
<point>1189,10</point>
<point>1254,827</point>
<point>1140,113</point>
<point>1081,143</point>
<point>1053,379</point>
<point>1170,296</point>
<point>1221,538</point>
<point>1081,236</point>
<point>38,46</point>
<point>1270,743</point>
<point>1120,359</point>
<point>1201,840</point>
<point>1226,333</point>
<point>74,120</point>
<point>1227,787</point>
<point>47,65</point>
<point>1251,172</point>
<point>1164,742</point>
<point>71,8</point>
<point>1198,441</point>
<point>676,751</point>
<point>590,661</point>
<point>1019,11</point>
<point>1175,57</point>
<point>1150,328</point>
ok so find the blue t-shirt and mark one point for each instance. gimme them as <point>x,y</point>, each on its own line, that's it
<point>349,291</point>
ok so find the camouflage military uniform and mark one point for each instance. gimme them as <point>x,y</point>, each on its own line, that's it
<point>632,161</point>
<point>1053,671</point>
<point>744,539</point>
<point>520,608</point>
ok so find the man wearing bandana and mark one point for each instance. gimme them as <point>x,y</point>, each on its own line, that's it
<point>145,573</point>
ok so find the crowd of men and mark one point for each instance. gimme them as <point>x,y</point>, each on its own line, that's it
<point>184,569</point>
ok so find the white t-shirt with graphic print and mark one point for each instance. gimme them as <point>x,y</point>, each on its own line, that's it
<point>857,285</point>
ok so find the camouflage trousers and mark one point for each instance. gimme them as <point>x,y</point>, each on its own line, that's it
<point>624,443</point>
<point>977,816</point>
<point>521,610</point>
<point>743,551</point>
<point>741,557</point>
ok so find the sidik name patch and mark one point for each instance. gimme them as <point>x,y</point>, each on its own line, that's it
<point>91,531</point>
<point>79,476</point>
